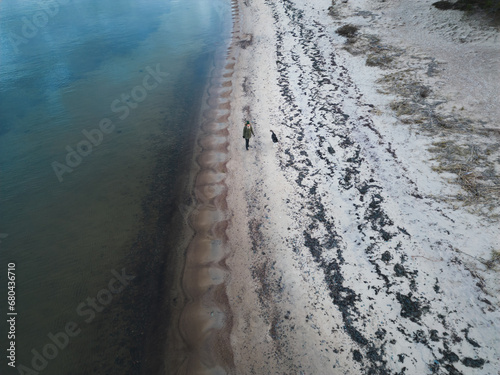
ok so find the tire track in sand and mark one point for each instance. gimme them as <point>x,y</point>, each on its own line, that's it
<point>206,319</point>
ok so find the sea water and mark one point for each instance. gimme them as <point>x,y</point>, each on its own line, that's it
<point>98,112</point>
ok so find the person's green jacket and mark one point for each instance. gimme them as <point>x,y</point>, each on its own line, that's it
<point>247,132</point>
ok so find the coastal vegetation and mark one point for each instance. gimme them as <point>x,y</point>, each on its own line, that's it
<point>469,5</point>
<point>461,149</point>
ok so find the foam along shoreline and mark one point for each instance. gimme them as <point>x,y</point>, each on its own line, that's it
<point>205,321</point>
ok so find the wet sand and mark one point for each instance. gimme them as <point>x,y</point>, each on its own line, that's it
<point>202,345</point>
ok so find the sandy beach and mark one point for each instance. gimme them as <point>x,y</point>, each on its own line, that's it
<point>366,240</point>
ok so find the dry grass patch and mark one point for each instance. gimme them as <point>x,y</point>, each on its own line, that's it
<point>348,30</point>
<point>463,149</point>
<point>494,260</point>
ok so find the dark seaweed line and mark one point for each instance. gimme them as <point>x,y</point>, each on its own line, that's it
<point>381,228</point>
<point>342,296</point>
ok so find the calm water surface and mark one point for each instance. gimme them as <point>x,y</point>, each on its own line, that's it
<point>98,104</point>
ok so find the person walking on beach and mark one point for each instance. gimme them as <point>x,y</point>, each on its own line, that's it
<point>247,133</point>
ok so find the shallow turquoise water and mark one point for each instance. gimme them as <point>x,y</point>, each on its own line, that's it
<point>98,103</point>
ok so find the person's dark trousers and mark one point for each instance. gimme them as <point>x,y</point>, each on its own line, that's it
<point>247,140</point>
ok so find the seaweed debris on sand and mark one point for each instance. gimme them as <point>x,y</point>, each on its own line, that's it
<point>353,251</point>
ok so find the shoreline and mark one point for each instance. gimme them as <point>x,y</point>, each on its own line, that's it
<point>347,253</point>
<point>203,319</point>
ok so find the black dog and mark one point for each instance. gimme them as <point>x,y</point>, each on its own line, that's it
<point>273,137</point>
